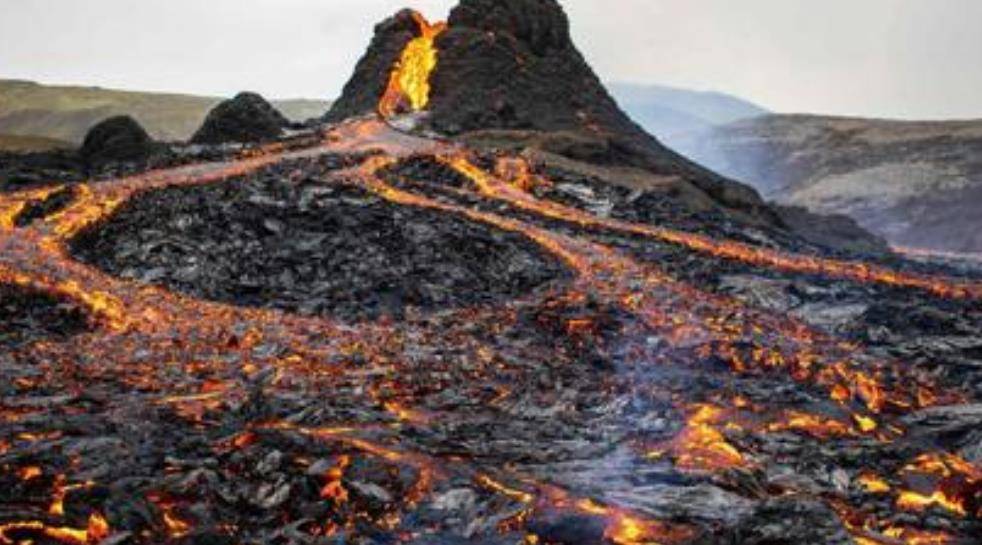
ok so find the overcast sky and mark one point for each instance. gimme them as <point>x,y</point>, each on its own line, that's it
<point>888,58</point>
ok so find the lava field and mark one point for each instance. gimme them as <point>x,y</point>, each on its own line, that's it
<point>368,334</point>
<point>191,363</point>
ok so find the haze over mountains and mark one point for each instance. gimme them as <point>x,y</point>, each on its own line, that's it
<point>668,112</point>
<point>917,184</point>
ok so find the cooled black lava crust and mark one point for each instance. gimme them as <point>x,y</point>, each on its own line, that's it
<point>286,238</point>
<point>27,316</point>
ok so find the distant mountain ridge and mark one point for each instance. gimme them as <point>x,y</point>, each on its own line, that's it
<point>67,112</point>
<point>916,183</point>
<point>670,111</point>
<point>18,143</point>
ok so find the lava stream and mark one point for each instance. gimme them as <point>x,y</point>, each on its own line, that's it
<point>408,89</point>
<point>512,193</point>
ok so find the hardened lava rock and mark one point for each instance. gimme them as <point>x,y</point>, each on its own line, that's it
<point>246,118</point>
<point>28,316</point>
<point>312,246</point>
<point>116,140</point>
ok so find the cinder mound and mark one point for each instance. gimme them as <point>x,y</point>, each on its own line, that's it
<point>513,65</point>
<point>247,118</point>
<point>116,140</point>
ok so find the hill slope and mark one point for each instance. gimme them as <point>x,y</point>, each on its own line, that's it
<point>668,111</point>
<point>18,144</point>
<point>66,113</point>
<point>915,183</point>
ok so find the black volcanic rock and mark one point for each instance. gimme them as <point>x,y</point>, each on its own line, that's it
<point>29,316</point>
<point>831,231</point>
<point>312,249</point>
<point>513,64</point>
<point>23,170</point>
<point>246,118</point>
<point>117,139</point>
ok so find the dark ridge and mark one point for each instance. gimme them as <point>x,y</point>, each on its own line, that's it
<point>247,118</point>
<point>118,139</point>
<point>835,231</point>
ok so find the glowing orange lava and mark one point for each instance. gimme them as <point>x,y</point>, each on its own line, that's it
<point>862,272</point>
<point>956,483</point>
<point>97,530</point>
<point>409,84</point>
<point>701,446</point>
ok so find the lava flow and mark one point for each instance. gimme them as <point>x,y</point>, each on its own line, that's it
<point>600,399</point>
<point>409,84</point>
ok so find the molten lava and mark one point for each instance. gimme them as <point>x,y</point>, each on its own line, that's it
<point>96,531</point>
<point>409,84</point>
<point>957,485</point>
<point>702,446</point>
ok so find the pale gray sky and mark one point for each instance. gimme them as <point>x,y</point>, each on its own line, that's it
<point>892,58</point>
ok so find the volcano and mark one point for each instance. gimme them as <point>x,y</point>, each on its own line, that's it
<point>513,66</point>
<point>504,65</point>
<point>441,318</point>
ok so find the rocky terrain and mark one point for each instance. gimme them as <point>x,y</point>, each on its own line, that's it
<point>917,184</point>
<point>368,332</point>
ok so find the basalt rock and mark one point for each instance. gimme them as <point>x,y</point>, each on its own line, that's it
<point>24,170</point>
<point>316,249</point>
<point>116,140</point>
<point>246,118</point>
<point>832,231</point>
<point>513,65</point>
<point>29,316</point>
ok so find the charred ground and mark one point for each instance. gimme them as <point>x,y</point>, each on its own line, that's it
<point>293,238</point>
